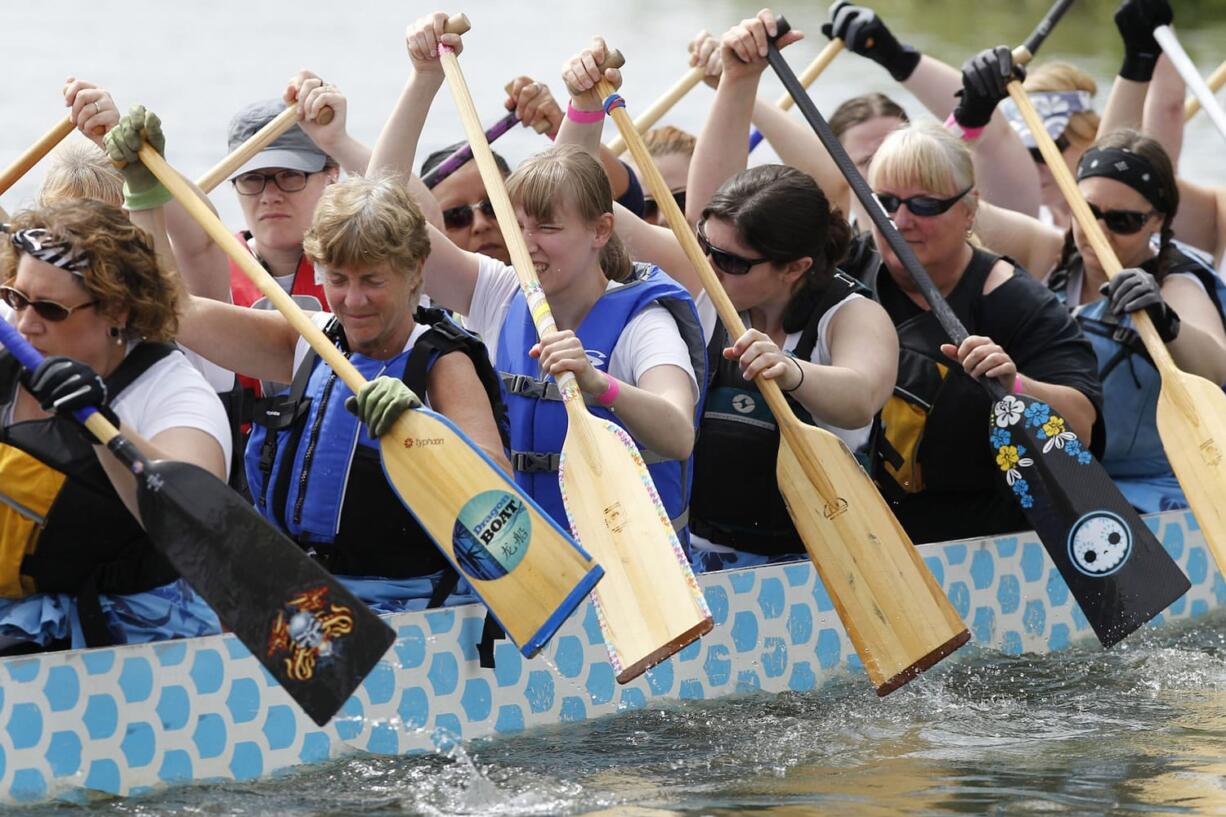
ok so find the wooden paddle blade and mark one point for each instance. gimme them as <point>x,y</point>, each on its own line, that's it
<point>649,604</point>
<point>526,569</point>
<point>895,613</point>
<point>1192,424</point>
<point>315,637</point>
<point>1114,566</point>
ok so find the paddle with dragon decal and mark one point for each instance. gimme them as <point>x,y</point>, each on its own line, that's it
<point>309,632</point>
<point>649,602</point>
<point>1114,566</point>
<point>893,610</point>
<point>529,573</point>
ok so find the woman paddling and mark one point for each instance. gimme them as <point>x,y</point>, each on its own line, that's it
<point>773,239</point>
<point>627,332</point>
<point>316,472</point>
<point>78,568</point>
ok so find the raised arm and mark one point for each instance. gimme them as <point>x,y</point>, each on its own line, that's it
<point>1163,116</point>
<point>1136,21</point>
<point>313,95</point>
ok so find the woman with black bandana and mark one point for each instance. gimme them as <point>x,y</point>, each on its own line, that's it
<point>1129,183</point>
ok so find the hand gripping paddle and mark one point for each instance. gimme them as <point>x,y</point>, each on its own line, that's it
<point>312,634</point>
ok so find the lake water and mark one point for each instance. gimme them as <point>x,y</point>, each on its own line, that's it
<point>1138,730</point>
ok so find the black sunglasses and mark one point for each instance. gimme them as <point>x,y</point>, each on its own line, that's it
<point>287,181</point>
<point>461,216</point>
<point>919,205</point>
<point>47,310</point>
<point>1122,222</point>
<point>1061,145</point>
<point>651,210</point>
<point>728,262</point>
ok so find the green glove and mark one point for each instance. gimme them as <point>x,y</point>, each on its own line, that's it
<point>380,402</point>
<point>141,189</point>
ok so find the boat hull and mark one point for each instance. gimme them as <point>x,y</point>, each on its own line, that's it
<point>125,720</point>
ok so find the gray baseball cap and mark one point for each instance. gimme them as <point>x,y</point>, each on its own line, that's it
<point>292,150</point>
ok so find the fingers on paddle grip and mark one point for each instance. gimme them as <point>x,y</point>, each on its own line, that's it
<point>613,59</point>
<point>325,116</point>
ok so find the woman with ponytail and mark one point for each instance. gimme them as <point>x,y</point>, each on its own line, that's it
<point>773,239</point>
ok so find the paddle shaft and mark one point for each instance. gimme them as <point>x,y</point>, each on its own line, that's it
<point>660,107</point>
<point>788,424</point>
<point>258,141</point>
<point>807,78</point>
<point>246,261</point>
<point>34,154</point>
<point>464,153</point>
<point>1215,82</point>
<point>1025,52</point>
<point>1191,76</point>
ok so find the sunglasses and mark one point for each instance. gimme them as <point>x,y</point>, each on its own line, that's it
<point>287,181</point>
<point>1061,145</point>
<point>1122,222</point>
<point>651,210</point>
<point>728,262</point>
<point>919,205</point>
<point>461,216</point>
<point>47,310</point>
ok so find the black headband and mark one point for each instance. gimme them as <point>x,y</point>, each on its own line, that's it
<point>1127,168</point>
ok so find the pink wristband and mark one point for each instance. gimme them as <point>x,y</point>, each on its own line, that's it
<point>1017,384</point>
<point>610,393</point>
<point>967,134</point>
<point>583,117</point>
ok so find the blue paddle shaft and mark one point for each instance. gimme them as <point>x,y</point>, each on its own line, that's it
<point>29,357</point>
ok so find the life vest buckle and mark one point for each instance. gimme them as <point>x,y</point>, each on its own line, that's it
<point>535,462</point>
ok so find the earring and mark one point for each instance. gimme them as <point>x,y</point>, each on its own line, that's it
<point>116,332</point>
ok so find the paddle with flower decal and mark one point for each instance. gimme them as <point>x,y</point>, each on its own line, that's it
<point>1114,567</point>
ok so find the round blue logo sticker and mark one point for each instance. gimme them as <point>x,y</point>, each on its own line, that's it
<point>1099,544</point>
<point>491,535</point>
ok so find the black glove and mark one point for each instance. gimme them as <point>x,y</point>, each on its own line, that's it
<point>863,32</point>
<point>985,80</point>
<point>1135,289</point>
<point>1136,20</point>
<point>62,385</point>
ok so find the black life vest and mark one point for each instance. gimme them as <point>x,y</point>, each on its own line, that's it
<point>376,535</point>
<point>736,500</point>
<point>72,534</point>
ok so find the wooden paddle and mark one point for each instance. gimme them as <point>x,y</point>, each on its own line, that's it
<point>1215,82</point>
<point>257,142</point>
<point>893,610</point>
<point>314,636</point>
<point>464,153</point>
<point>1120,579</point>
<point>660,107</point>
<point>34,154</point>
<point>1191,76</point>
<point>1191,409</point>
<point>522,565</point>
<point>649,602</point>
<point>807,78</point>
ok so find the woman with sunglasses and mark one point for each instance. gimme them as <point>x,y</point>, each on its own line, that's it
<point>928,457</point>
<point>78,570</point>
<point>773,239</point>
<point>627,332</point>
<point>1129,183</point>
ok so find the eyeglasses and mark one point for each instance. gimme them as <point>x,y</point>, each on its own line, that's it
<point>1122,222</point>
<point>461,216</point>
<point>288,181</point>
<point>729,262</point>
<point>651,210</point>
<point>47,310</point>
<point>919,205</point>
<point>1061,145</point>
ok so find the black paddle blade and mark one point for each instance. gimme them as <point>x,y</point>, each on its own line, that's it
<point>315,637</point>
<point>1114,566</point>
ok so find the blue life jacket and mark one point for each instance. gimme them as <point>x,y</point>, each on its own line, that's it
<point>317,475</point>
<point>1131,385</point>
<point>538,419</point>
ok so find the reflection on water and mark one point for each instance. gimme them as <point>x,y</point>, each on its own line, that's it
<point>1138,730</point>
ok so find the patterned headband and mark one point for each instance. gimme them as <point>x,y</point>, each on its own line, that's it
<point>1126,167</point>
<point>1053,107</point>
<point>42,244</point>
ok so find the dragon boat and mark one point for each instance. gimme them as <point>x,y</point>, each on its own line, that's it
<point>126,720</point>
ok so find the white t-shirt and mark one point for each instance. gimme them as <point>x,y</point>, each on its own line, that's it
<point>172,394</point>
<point>651,338</point>
<point>854,438</point>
